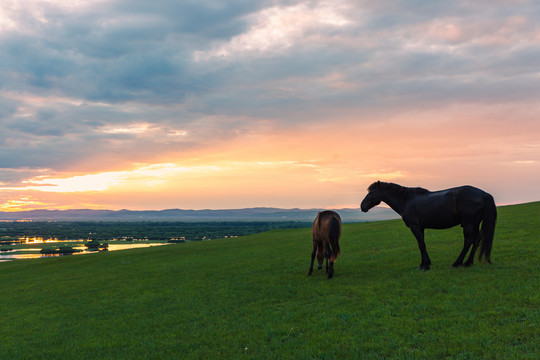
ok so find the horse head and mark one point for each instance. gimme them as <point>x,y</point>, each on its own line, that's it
<point>373,198</point>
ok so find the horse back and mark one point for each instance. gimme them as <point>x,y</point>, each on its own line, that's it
<point>326,233</point>
<point>445,208</point>
<point>327,223</point>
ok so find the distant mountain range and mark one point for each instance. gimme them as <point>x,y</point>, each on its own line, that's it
<point>249,214</point>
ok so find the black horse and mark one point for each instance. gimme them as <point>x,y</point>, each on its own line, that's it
<point>422,209</point>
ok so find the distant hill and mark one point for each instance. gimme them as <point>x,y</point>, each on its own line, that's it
<point>248,214</point>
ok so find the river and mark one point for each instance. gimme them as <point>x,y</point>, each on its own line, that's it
<point>34,253</point>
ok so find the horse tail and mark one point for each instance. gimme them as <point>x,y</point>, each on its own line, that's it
<point>316,226</point>
<point>318,243</point>
<point>334,233</point>
<point>487,232</point>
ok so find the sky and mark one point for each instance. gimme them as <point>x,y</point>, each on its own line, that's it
<point>207,104</point>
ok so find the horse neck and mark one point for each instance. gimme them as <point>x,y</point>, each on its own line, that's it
<point>395,199</point>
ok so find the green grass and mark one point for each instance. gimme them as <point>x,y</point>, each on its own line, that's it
<point>250,298</point>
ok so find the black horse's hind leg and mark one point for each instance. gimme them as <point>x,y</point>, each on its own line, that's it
<point>467,242</point>
<point>419,235</point>
<point>475,242</point>
<point>468,239</point>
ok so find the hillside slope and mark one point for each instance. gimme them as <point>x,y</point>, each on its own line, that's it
<point>250,298</point>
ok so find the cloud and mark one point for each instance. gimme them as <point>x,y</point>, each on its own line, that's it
<point>143,175</point>
<point>98,86</point>
<point>277,29</point>
<point>118,52</point>
<point>112,52</point>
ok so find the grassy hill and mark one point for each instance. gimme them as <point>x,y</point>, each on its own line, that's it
<point>250,298</point>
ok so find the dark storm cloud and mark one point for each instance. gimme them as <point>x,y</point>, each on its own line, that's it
<point>117,51</point>
<point>207,19</point>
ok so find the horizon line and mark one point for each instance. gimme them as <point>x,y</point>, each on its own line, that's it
<point>229,209</point>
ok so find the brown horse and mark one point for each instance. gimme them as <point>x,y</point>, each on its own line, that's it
<point>326,233</point>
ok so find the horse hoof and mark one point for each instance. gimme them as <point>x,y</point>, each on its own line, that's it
<point>456,265</point>
<point>329,275</point>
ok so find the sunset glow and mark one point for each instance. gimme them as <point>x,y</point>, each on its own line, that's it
<point>106,105</point>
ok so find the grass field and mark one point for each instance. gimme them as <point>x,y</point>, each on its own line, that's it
<point>250,298</point>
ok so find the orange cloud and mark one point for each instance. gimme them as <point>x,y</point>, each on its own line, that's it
<point>311,166</point>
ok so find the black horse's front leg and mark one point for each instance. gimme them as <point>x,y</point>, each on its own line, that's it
<point>418,233</point>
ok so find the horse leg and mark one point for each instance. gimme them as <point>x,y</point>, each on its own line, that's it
<point>327,254</point>
<point>330,271</point>
<point>475,239</point>
<point>312,258</point>
<point>418,233</point>
<point>467,242</point>
<point>320,254</point>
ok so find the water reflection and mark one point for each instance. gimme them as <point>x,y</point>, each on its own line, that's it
<point>21,254</point>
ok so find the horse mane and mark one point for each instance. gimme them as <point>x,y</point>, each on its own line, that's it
<point>378,185</point>
<point>419,190</point>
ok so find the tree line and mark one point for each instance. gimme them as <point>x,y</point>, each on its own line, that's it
<point>129,231</point>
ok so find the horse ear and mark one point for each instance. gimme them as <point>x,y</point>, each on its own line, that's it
<point>374,186</point>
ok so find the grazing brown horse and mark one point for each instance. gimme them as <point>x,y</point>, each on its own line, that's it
<point>326,233</point>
